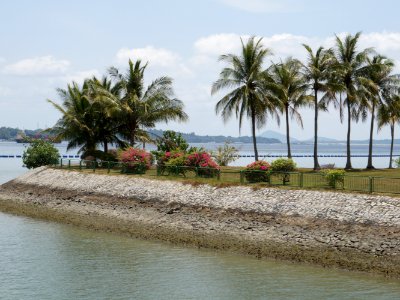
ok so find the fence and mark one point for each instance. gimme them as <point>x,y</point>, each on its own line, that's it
<point>310,180</point>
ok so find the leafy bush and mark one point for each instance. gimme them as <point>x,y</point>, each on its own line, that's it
<point>225,154</point>
<point>206,166</point>
<point>283,165</point>
<point>40,153</point>
<point>257,171</point>
<point>172,141</point>
<point>397,162</point>
<point>135,160</point>
<point>176,164</point>
<point>335,178</point>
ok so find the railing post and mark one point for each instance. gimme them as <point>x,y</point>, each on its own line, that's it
<point>241,177</point>
<point>94,165</point>
<point>218,174</point>
<point>301,179</point>
<point>108,166</point>
<point>371,184</point>
<point>69,164</point>
<point>61,163</point>
<point>80,164</point>
<point>158,170</point>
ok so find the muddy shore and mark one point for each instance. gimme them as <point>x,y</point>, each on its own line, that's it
<point>355,232</point>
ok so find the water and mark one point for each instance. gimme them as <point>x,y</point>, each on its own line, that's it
<point>43,260</point>
<point>12,148</point>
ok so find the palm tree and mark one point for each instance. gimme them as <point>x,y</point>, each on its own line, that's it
<point>288,85</point>
<point>77,124</point>
<point>389,114</point>
<point>352,65</point>
<point>140,108</point>
<point>244,74</point>
<point>107,123</point>
<point>378,82</point>
<point>317,71</point>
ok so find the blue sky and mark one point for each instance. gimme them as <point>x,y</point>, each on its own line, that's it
<point>46,44</point>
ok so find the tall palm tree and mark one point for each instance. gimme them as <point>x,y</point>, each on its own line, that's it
<point>317,71</point>
<point>139,107</point>
<point>377,82</point>
<point>77,124</point>
<point>288,85</point>
<point>389,114</point>
<point>107,122</point>
<point>353,66</point>
<point>248,96</point>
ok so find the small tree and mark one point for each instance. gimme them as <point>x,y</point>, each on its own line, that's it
<point>171,141</point>
<point>40,153</point>
<point>225,154</point>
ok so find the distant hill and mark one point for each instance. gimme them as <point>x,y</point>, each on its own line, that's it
<point>276,135</point>
<point>194,138</point>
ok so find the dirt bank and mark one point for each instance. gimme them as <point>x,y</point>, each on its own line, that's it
<point>355,232</point>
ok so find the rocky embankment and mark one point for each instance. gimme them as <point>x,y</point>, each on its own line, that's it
<point>352,231</point>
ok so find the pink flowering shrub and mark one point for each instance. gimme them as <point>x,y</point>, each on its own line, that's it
<point>135,160</point>
<point>205,165</point>
<point>257,171</point>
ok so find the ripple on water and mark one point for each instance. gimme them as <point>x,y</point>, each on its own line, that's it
<point>42,260</point>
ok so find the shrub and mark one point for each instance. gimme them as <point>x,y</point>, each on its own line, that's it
<point>40,153</point>
<point>397,162</point>
<point>225,154</point>
<point>136,161</point>
<point>203,163</point>
<point>335,178</point>
<point>282,166</point>
<point>175,165</point>
<point>257,171</point>
<point>170,142</point>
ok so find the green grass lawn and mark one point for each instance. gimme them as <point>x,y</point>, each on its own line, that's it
<point>386,181</point>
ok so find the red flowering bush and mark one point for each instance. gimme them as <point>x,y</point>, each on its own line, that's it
<point>135,160</point>
<point>205,165</point>
<point>257,171</point>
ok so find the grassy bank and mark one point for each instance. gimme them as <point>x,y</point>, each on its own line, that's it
<point>385,181</point>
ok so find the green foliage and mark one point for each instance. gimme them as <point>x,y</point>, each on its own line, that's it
<point>171,141</point>
<point>397,162</point>
<point>335,178</point>
<point>225,154</point>
<point>40,153</point>
<point>257,171</point>
<point>176,165</point>
<point>283,165</point>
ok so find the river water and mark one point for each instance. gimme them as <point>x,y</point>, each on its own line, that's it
<point>44,260</point>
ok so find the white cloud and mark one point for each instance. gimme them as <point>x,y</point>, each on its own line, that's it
<point>268,6</point>
<point>155,56</point>
<point>80,76</point>
<point>44,65</point>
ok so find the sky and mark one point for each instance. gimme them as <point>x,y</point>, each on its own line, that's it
<point>44,45</point>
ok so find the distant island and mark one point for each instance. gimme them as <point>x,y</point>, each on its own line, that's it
<point>266,137</point>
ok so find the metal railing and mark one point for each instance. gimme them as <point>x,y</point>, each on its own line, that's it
<point>366,184</point>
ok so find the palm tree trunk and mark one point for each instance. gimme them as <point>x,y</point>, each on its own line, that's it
<point>371,137</point>
<point>253,130</point>
<point>105,146</point>
<point>289,155</point>
<point>316,163</point>
<point>348,162</point>
<point>391,146</point>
